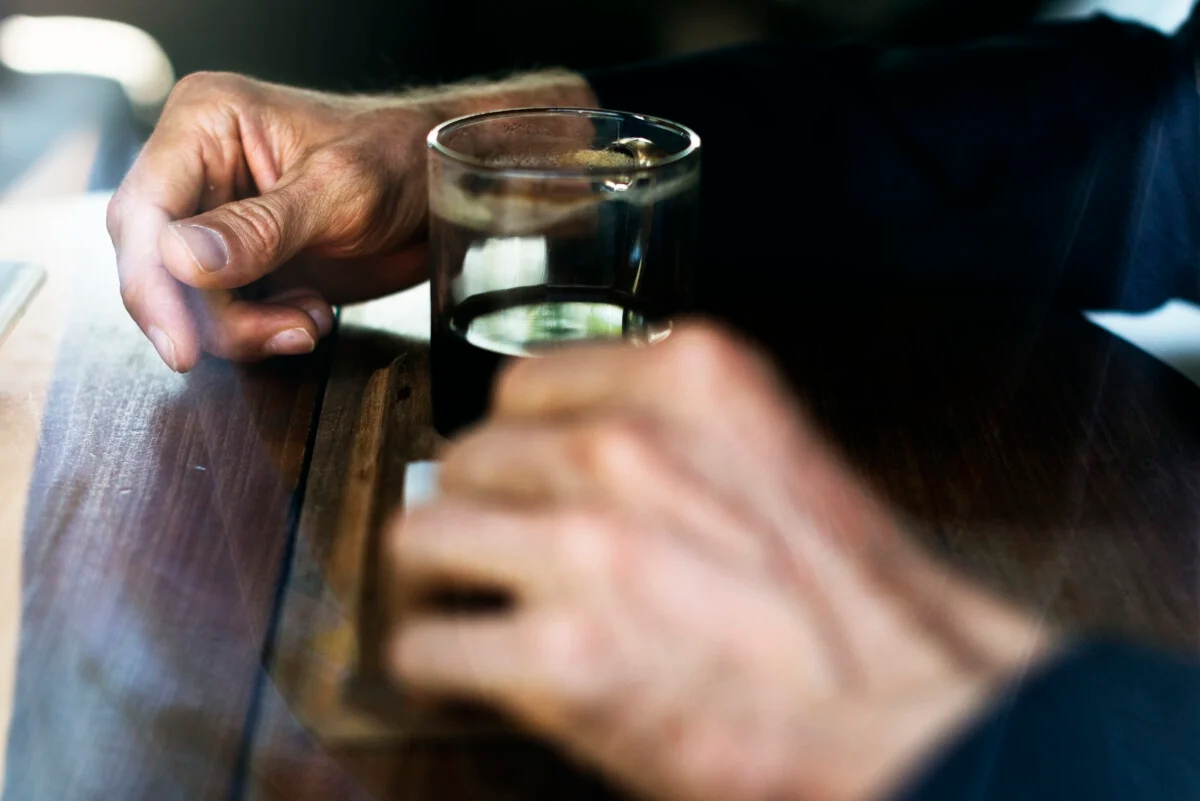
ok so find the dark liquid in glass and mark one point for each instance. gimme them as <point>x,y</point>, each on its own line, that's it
<point>518,270</point>
<point>484,331</point>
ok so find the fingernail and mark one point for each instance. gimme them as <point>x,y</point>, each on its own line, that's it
<point>292,342</point>
<point>206,247</point>
<point>164,345</point>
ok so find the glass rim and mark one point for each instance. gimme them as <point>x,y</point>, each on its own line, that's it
<point>433,142</point>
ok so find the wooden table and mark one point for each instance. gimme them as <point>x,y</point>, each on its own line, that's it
<point>162,546</point>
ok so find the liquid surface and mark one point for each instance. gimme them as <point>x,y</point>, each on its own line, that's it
<point>530,329</point>
<point>486,329</point>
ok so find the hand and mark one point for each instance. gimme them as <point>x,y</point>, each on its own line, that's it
<point>705,603</point>
<point>314,199</point>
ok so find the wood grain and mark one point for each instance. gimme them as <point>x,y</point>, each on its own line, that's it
<point>328,651</point>
<point>155,524</point>
<point>27,359</point>
<point>320,642</point>
<point>331,665</point>
<point>1056,463</point>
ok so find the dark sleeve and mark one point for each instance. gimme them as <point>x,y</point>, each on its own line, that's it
<point>1057,164</point>
<point>1107,722</point>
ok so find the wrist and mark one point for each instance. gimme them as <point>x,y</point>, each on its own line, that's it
<point>547,88</point>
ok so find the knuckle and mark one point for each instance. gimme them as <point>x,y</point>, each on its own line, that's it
<point>614,449</point>
<point>263,223</point>
<point>225,344</point>
<point>188,86</point>
<point>228,338</point>
<point>706,346</point>
<point>706,355</point>
<point>204,84</point>
<point>114,215</point>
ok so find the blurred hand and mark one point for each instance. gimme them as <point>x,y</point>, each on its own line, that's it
<point>310,199</point>
<point>706,603</point>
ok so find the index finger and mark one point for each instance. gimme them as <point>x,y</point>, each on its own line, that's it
<point>173,178</point>
<point>153,298</point>
<point>166,182</point>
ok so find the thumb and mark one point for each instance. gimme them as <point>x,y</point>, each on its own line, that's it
<point>240,242</point>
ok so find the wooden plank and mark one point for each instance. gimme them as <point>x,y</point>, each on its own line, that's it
<point>375,420</point>
<point>316,642</point>
<point>156,518</point>
<point>26,366</point>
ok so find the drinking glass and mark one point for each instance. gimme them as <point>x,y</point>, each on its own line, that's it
<point>550,227</point>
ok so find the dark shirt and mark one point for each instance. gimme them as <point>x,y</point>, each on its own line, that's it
<point>1105,722</point>
<point>1057,166</point>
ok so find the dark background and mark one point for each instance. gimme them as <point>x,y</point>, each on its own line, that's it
<point>385,45</point>
<point>375,44</point>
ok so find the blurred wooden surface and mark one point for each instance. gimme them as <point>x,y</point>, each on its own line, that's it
<point>163,657</point>
<point>28,232</point>
<point>26,365</point>
<point>156,514</point>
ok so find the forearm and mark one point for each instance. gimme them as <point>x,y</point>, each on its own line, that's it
<point>544,88</point>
